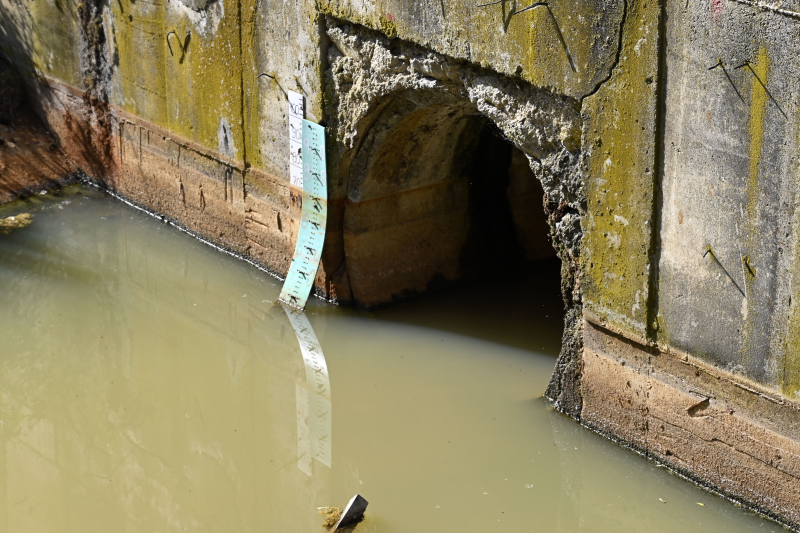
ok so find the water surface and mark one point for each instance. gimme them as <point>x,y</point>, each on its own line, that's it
<point>148,383</point>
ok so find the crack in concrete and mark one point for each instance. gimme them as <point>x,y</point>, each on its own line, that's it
<point>617,56</point>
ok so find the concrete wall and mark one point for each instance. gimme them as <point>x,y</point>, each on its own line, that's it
<point>461,139</point>
<point>730,190</point>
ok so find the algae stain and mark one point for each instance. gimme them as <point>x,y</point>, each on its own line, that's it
<point>790,385</point>
<point>758,100</point>
<point>388,25</point>
<point>543,60</point>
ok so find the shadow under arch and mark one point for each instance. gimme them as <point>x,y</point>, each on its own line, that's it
<point>436,194</point>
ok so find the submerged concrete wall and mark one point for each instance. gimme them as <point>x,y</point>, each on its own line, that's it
<point>651,145</point>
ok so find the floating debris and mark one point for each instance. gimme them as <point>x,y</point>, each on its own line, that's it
<point>337,519</point>
<point>353,513</point>
<point>331,514</point>
<point>15,222</point>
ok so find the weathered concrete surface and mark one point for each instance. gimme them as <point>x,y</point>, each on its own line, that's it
<point>408,124</point>
<point>724,432</point>
<point>195,187</point>
<point>729,221</point>
<point>42,36</point>
<point>619,159</point>
<point>568,46</point>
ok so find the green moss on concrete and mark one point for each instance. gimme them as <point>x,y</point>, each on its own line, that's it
<point>620,138</point>
<point>138,41</point>
<point>387,26</point>
<point>42,35</point>
<point>250,89</point>
<point>189,91</point>
<point>758,101</point>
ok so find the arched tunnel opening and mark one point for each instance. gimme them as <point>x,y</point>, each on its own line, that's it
<point>507,224</point>
<point>437,196</point>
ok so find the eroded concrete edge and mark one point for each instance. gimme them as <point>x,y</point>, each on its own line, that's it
<point>368,69</point>
<point>723,432</point>
<point>619,164</point>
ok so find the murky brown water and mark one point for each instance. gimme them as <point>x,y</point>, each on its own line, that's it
<point>148,384</point>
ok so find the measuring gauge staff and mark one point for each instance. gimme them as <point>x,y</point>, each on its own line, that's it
<point>296,116</point>
<point>308,251</point>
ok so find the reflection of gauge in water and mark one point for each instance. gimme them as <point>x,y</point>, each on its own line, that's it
<point>313,397</point>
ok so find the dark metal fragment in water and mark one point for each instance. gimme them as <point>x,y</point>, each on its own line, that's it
<point>353,513</point>
<point>337,519</point>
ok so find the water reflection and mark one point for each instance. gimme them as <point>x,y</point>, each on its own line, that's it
<point>141,391</point>
<point>149,383</point>
<point>313,397</point>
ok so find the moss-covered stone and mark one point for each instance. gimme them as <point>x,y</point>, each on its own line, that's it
<point>619,140</point>
<point>182,69</point>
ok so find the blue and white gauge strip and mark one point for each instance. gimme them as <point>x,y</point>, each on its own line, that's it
<point>296,116</point>
<point>314,217</point>
<point>313,397</point>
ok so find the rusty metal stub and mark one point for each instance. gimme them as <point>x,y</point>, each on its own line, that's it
<point>353,513</point>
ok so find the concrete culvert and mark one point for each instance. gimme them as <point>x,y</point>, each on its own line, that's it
<point>431,176</point>
<point>436,194</point>
<point>425,148</point>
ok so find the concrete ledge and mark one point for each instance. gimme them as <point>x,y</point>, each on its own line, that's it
<point>245,210</point>
<point>242,209</point>
<point>717,429</point>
